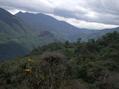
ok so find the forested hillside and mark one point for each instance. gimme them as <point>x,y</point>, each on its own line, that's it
<point>17,38</point>
<point>80,65</point>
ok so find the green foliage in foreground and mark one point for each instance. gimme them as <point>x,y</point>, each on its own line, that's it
<point>88,65</point>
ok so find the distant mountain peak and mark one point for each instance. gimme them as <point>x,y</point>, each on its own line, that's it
<point>4,12</point>
<point>20,12</point>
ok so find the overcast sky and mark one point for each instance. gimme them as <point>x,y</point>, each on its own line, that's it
<point>93,14</point>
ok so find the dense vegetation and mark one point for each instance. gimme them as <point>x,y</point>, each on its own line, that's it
<point>80,65</point>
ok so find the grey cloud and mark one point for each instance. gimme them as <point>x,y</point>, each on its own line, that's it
<point>107,11</point>
<point>26,6</point>
<point>66,13</point>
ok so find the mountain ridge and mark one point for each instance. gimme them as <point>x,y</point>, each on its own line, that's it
<point>61,29</point>
<point>48,23</point>
<point>14,30</point>
<point>27,31</point>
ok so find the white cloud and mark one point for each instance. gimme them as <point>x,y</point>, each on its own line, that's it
<point>84,24</point>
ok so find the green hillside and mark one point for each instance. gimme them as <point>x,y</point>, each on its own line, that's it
<point>80,65</point>
<point>14,31</point>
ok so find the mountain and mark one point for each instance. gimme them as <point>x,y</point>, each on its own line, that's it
<point>17,38</point>
<point>23,32</point>
<point>62,30</point>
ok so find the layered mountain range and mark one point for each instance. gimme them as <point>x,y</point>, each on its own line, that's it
<point>23,32</point>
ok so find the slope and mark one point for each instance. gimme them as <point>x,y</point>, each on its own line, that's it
<point>13,31</point>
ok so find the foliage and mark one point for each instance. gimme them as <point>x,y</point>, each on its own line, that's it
<point>80,65</point>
